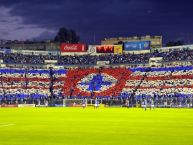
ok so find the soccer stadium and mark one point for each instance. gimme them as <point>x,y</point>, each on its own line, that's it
<point>97,95</point>
<point>96,72</point>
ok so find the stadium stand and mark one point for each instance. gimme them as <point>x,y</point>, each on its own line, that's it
<point>24,86</point>
<point>169,85</point>
<point>172,55</point>
<point>28,86</point>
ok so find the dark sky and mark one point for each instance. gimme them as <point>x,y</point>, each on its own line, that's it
<point>40,19</point>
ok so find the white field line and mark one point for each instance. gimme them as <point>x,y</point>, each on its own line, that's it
<point>5,125</point>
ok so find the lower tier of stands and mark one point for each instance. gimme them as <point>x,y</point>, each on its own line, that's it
<point>172,84</point>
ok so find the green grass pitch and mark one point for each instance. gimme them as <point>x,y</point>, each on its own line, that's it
<point>103,126</point>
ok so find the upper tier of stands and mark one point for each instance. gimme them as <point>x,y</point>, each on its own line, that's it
<point>173,55</point>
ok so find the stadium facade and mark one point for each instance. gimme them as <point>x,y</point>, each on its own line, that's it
<point>156,41</point>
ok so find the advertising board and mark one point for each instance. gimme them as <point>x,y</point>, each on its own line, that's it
<point>118,49</point>
<point>105,49</point>
<point>66,47</point>
<point>141,45</point>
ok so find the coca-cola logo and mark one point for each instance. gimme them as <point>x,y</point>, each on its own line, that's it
<point>72,47</point>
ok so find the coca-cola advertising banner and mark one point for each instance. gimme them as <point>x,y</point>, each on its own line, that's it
<point>66,47</point>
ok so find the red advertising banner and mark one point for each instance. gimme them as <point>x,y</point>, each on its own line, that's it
<point>66,47</point>
<point>9,105</point>
<point>105,49</point>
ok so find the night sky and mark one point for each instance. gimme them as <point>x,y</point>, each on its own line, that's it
<point>40,19</point>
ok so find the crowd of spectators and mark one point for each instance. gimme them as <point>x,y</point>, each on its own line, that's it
<point>167,84</point>
<point>173,55</point>
<point>92,82</point>
<point>17,58</point>
<point>41,86</point>
<point>25,86</point>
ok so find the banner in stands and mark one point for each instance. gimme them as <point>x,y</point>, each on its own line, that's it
<point>50,61</point>
<point>91,83</point>
<point>6,51</point>
<point>103,62</point>
<point>1,50</point>
<point>65,47</point>
<point>155,61</point>
<point>32,52</point>
<point>118,49</point>
<point>142,45</point>
<point>2,65</point>
<point>105,49</point>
